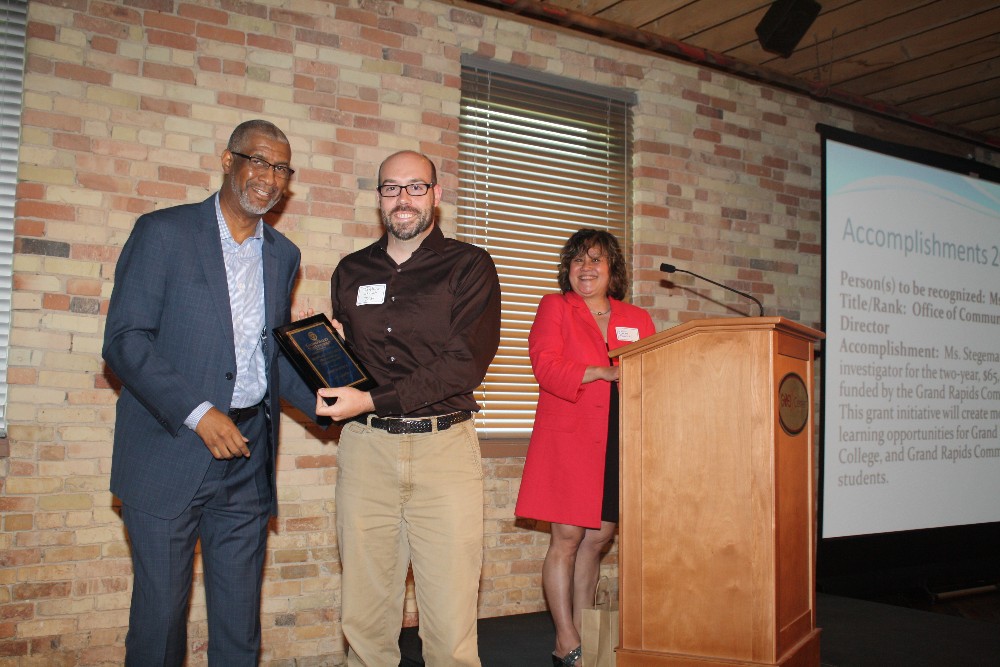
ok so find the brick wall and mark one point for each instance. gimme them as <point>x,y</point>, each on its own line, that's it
<point>127,108</point>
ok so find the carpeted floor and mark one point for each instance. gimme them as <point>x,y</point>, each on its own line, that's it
<point>859,633</point>
<point>855,633</point>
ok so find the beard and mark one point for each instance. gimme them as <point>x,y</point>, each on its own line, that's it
<point>247,204</point>
<point>415,227</point>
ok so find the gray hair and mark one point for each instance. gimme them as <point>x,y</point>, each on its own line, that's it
<point>238,139</point>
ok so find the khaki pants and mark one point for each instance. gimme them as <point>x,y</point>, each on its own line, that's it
<point>401,499</point>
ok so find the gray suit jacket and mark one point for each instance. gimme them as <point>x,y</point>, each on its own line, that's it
<point>169,339</point>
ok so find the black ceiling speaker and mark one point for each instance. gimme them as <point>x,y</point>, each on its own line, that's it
<point>784,25</point>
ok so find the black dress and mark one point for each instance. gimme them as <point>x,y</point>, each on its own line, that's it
<point>609,504</point>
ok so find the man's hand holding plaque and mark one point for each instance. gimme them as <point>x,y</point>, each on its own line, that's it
<point>321,356</point>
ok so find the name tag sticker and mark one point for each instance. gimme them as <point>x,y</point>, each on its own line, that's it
<point>628,334</point>
<point>371,294</point>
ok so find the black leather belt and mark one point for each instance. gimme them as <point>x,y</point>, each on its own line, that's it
<point>242,414</point>
<point>401,425</point>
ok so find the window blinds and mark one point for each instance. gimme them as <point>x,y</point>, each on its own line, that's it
<point>538,159</point>
<point>13,26</point>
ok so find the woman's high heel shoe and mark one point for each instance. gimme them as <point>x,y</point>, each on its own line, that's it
<point>568,660</point>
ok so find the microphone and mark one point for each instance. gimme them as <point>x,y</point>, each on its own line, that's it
<point>670,268</point>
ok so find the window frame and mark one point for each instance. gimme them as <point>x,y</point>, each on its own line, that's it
<point>534,147</point>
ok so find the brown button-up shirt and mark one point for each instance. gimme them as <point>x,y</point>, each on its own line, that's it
<point>426,329</point>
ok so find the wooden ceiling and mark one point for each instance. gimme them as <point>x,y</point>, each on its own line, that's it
<point>933,63</point>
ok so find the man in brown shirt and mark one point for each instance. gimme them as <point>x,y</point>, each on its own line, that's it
<point>422,313</point>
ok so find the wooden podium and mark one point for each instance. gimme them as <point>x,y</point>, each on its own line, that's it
<point>718,523</point>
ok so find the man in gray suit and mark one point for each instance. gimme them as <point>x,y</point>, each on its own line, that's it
<point>198,290</point>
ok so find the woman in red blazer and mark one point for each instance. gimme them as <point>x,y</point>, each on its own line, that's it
<point>571,471</point>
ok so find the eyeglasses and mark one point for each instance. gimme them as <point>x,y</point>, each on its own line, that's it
<point>282,171</point>
<point>412,189</point>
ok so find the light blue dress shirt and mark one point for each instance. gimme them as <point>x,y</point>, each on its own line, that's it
<point>245,277</point>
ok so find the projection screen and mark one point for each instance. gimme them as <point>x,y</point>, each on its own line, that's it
<point>911,372</point>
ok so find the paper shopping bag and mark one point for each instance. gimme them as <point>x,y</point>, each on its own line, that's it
<point>599,628</point>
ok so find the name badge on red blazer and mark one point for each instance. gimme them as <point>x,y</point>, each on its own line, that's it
<point>627,334</point>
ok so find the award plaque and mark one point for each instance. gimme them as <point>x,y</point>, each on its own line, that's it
<point>321,356</point>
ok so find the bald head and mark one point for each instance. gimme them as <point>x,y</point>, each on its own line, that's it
<point>408,155</point>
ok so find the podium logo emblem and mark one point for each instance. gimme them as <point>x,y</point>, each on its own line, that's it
<point>793,404</point>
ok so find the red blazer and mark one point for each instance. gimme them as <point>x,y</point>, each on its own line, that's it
<point>563,479</point>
